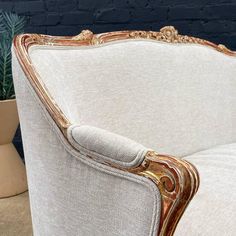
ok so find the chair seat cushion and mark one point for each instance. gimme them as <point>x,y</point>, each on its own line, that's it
<point>213,209</point>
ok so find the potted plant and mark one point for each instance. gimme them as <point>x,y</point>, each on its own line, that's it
<point>12,169</point>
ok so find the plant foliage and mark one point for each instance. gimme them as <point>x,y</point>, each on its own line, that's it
<point>10,25</point>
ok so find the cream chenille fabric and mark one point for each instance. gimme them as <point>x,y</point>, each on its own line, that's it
<point>174,98</point>
<point>103,145</point>
<point>177,99</point>
<point>213,210</point>
<point>73,195</point>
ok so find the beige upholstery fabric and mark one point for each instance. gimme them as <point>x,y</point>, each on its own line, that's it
<point>106,146</point>
<point>213,210</point>
<point>176,99</point>
<point>71,194</point>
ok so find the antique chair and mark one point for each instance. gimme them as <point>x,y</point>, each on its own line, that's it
<point>94,107</point>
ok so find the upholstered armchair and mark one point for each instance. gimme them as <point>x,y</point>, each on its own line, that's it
<point>102,117</point>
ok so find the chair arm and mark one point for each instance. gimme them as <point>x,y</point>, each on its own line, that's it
<point>106,147</point>
<point>176,179</point>
<point>178,182</point>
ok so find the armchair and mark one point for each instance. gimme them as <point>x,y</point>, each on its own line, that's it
<point>94,107</point>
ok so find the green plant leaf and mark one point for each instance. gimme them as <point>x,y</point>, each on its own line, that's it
<point>13,23</point>
<point>2,26</point>
<point>10,25</point>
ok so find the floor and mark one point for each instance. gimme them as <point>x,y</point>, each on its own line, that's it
<point>15,216</point>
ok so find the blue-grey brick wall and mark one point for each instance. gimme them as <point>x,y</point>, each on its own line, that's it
<point>210,19</point>
<point>214,20</point>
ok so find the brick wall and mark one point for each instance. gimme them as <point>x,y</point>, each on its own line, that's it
<point>211,19</point>
<point>214,20</point>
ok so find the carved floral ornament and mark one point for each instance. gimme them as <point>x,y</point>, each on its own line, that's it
<point>166,34</point>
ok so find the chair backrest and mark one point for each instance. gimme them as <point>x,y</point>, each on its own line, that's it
<point>72,194</point>
<point>172,93</point>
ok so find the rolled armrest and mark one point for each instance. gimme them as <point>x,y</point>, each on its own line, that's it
<point>176,179</point>
<point>106,147</point>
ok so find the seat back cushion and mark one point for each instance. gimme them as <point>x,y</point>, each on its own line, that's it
<point>174,98</point>
<point>213,210</point>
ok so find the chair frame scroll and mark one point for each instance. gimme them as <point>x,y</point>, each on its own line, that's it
<point>177,179</point>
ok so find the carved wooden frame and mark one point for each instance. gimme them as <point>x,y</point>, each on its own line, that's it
<point>177,179</point>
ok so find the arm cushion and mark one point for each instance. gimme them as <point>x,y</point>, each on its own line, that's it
<point>106,146</point>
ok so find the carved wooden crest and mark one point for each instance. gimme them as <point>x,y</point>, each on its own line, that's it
<point>166,34</point>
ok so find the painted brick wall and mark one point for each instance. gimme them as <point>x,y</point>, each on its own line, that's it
<point>211,19</point>
<point>214,20</point>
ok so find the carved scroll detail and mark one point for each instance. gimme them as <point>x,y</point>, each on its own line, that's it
<point>166,34</point>
<point>169,34</point>
<point>84,35</point>
<point>177,180</point>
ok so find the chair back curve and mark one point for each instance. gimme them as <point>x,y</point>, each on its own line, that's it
<point>72,194</point>
<point>172,93</point>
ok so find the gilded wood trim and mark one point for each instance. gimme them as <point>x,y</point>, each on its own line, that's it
<point>22,44</point>
<point>178,182</point>
<point>176,179</point>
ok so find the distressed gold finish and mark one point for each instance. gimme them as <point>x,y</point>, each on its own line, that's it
<point>176,179</point>
<point>167,34</point>
<point>84,35</point>
<point>22,44</point>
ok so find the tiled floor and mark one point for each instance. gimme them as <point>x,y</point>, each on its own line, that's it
<point>15,216</point>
